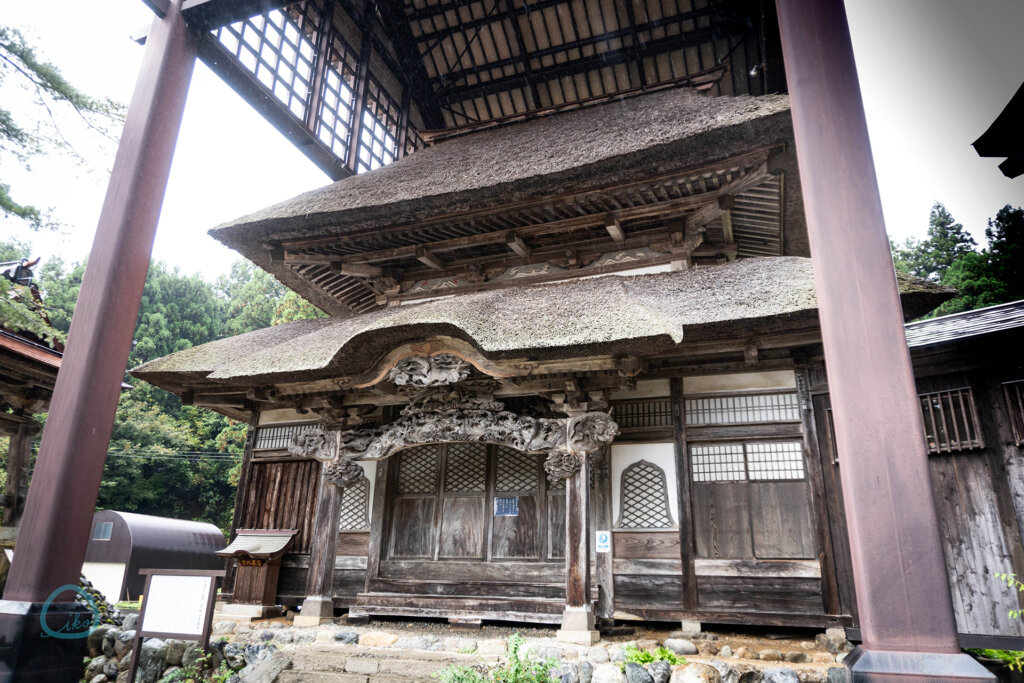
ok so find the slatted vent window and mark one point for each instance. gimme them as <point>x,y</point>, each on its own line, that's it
<point>748,408</point>
<point>277,48</point>
<point>277,438</point>
<point>644,498</point>
<point>355,501</point>
<point>517,471</point>
<point>753,461</point>
<point>650,412</point>
<point>466,468</point>
<point>1014,392</point>
<point>951,420</point>
<point>418,471</point>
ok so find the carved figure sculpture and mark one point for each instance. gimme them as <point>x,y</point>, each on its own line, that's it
<point>430,371</point>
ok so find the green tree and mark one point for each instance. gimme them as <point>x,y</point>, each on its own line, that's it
<point>293,307</point>
<point>932,257</point>
<point>252,297</point>
<point>1005,234</point>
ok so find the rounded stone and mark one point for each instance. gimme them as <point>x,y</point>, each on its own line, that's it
<point>696,673</point>
<point>169,673</point>
<point>95,639</point>
<point>124,642</point>
<point>95,667</point>
<point>284,636</point>
<point>779,676</point>
<point>110,642</point>
<point>823,658</point>
<point>660,671</point>
<point>234,656</point>
<point>110,669</point>
<point>635,673</point>
<point>586,671</point>
<point>797,657</point>
<point>152,656</point>
<point>836,674</point>
<point>607,673</point>
<point>346,637</point>
<point>770,655</point>
<point>191,654</point>
<point>726,651</point>
<point>728,674</point>
<point>707,647</point>
<point>98,678</point>
<point>746,653</point>
<point>225,627</point>
<point>378,639</point>
<point>681,646</point>
<point>129,621</point>
<point>175,650</point>
<point>565,672</point>
<point>597,655</point>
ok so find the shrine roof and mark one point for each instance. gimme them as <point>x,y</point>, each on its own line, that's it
<point>607,315</point>
<point>514,165</point>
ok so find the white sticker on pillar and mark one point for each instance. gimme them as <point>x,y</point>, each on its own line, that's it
<point>604,542</point>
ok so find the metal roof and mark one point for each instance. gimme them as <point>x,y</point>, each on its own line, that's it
<point>258,542</point>
<point>967,324</point>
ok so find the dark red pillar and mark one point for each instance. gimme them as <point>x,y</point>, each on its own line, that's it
<point>906,615</point>
<point>58,514</point>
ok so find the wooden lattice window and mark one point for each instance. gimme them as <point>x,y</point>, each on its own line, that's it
<point>951,420</point>
<point>276,438</point>
<point>742,409</point>
<point>334,120</point>
<point>644,498</point>
<point>643,413</point>
<point>418,471</point>
<point>1014,392</point>
<point>517,471</point>
<point>278,48</point>
<point>378,136</point>
<point>748,461</point>
<point>355,503</point>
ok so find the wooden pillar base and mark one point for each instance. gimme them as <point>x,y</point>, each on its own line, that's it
<point>875,666</point>
<point>578,626</point>
<point>29,653</point>
<point>316,610</point>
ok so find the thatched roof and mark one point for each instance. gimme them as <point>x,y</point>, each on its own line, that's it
<point>613,314</point>
<point>591,148</point>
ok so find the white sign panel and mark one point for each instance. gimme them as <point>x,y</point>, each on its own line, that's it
<point>177,604</point>
<point>604,542</point>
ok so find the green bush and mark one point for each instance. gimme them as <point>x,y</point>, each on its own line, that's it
<point>638,656</point>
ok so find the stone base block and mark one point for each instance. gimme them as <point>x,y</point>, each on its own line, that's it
<point>874,666</point>
<point>246,613</point>
<point>689,628</point>
<point>304,620</point>
<point>579,637</point>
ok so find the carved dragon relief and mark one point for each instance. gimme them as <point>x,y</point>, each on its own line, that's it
<point>429,371</point>
<point>448,414</point>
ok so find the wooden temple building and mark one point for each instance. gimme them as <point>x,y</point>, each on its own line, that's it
<point>611,307</point>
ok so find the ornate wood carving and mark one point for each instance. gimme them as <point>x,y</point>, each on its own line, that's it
<point>446,414</point>
<point>429,371</point>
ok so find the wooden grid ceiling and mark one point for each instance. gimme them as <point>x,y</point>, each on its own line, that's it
<point>357,84</point>
<point>720,212</point>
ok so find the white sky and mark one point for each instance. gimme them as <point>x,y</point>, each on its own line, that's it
<point>934,74</point>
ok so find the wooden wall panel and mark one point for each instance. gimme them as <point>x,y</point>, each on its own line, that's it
<point>646,545</point>
<point>648,592</point>
<point>518,537</point>
<point>282,495</point>
<point>353,544</point>
<point>781,520</point>
<point>347,583</point>
<point>760,594</point>
<point>412,528</point>
<point>721,521</point>
<point>556,526</point>
<point>462,528</point>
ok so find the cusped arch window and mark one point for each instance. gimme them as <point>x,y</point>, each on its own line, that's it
<point>644,498</point>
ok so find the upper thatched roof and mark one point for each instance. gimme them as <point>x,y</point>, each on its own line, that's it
<point>591,148</point>
<point>612,314</point>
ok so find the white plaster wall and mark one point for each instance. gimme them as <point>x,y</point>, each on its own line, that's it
<point>370,469</point>
<point>661,454</point>
<point>268,417</point>
<point>107,577</point>
<point>648,388</point>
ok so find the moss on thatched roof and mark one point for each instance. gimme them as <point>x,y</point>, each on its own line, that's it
<point>612,314</point>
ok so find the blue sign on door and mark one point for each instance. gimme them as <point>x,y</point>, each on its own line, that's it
<point>506,507</point>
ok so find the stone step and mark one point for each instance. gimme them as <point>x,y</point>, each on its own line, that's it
<point>355,664</point>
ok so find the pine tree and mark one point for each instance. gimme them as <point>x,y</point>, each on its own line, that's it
<point>946,242</point>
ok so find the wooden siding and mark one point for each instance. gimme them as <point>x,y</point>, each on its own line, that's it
<point>282,495</point>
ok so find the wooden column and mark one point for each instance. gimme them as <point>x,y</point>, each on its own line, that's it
<point>603,520</point>
<point>578,618</point>
<point>318,607</point>
<point>684,491</point>
<point>19,453</point>
<point>906,614</point>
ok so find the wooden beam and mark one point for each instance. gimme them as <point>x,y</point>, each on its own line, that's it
<point>516,244</point>
<point>206,15</point>
<point>684,495</point>
<point>158,7</point>
<point>428,258</point>
<point>356,269</point>
<point>614,227</point>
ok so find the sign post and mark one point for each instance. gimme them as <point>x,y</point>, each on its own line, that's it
<point>177,603</point>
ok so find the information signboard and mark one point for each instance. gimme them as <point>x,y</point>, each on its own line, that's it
<point>177,603</point>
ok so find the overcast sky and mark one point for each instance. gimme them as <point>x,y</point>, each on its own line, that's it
<point>934,74</point>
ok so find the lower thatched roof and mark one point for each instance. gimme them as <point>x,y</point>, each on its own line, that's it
<point>612,314</point>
